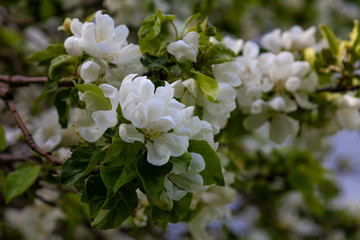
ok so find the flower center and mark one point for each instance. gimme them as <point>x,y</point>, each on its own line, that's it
<point>154,134</point>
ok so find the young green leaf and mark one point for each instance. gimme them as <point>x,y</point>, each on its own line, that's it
<point>18,181</point>
<point>212,174</point>
<point>62,66</point>
<point>81,163</point>
<point>329,35</point>
<point>208,85</point>
<point>44,57</point>
<point>95,99</point>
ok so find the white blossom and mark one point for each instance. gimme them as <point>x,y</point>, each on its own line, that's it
<point>185,49</point>
<point>157,119</point>
<point>93,121</point>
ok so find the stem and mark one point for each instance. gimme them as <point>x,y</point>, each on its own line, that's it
<point>7,97</point>
<point>20,81</point>
<point>175,29</point>
<point>338,89</point>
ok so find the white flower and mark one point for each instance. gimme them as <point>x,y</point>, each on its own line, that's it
<point>272,41</point>
<point>105,44</point>
<point>94,121</point>
<point>185,49</point>
<point>157,119</point>
<point>234,44</point>
<point>297,38</point>
<point>348,115</point>
<point>229,72</point>
<point>89,71</point>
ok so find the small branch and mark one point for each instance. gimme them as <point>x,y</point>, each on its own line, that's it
<point>337,89</point>
<point>20,81</point>
<point>8,99</point>
<point>8,157</point>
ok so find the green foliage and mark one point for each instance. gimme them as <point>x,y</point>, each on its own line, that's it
<point>20,180</point>
<point>208,85</point>
<point>103,214</point>
<point>152,177</point>
<point>184,160</point>
<point>44,57</point>
<point>96,97</point>
<point>212,174</point>
<point>153,34</point>
<point>2,138</point>
<point>63,66</point>
<point>62,106</point>
<point>81,163</point>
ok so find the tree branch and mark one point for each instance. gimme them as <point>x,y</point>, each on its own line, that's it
<point>8,157</point>
<point>338,89</point>
<point>21,81</point>
<point>8,99</point>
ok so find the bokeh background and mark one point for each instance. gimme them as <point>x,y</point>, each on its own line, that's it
<point>27,26</point>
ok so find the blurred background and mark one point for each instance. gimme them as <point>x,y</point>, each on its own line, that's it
<point>27,26</point>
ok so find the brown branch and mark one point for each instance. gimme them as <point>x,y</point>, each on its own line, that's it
<point>20,81</point>
<point>8,99</point>
<point>8,157</point>
<point>337,89</point>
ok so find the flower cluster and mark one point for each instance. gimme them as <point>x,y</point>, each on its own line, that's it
<point>106,45</point>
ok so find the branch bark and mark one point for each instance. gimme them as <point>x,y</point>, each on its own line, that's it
<point>21,81</point>
<point>337,89</point>
<point>7,97</point>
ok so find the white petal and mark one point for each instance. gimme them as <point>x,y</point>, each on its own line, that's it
<point>197,163</point>
<point>292,84</point>
<point>177,145</point>
<point>91,134</point>
<point>111,93</point>
<point>121,32</point>
<point>81,117</point>
<point>157,154</point>
<point>105,119</point>
<point>72,46</point>
<point>76,27</point>
<point>89,71</point>
<point>105,26</point>
<point>128,133</point>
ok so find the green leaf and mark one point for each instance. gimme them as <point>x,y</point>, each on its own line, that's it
<point>127,201</point>
<point>43,57</point>
<point>96,195</point>
<point>152,177</point>
<point>62,66</point>
<point>94,97</point>
<point>177,213</point>
<point>187,23</point>
<point>219,53</point>
<point>184,160</point>
<point>329,35</point>
<point>128,173</point>
<point>81,163</point>
<point>2,138</point>
<point>355,35</point>
<point>62,106</point>
<point>208,85</point>
<point>18,181</point>
<point>212,172</point>
<point>154,63</point>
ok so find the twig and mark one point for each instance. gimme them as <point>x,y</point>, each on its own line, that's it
<point>8,157</point>
<point>337,89</point>
<point>8,99</point>
<point>20,81</point>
